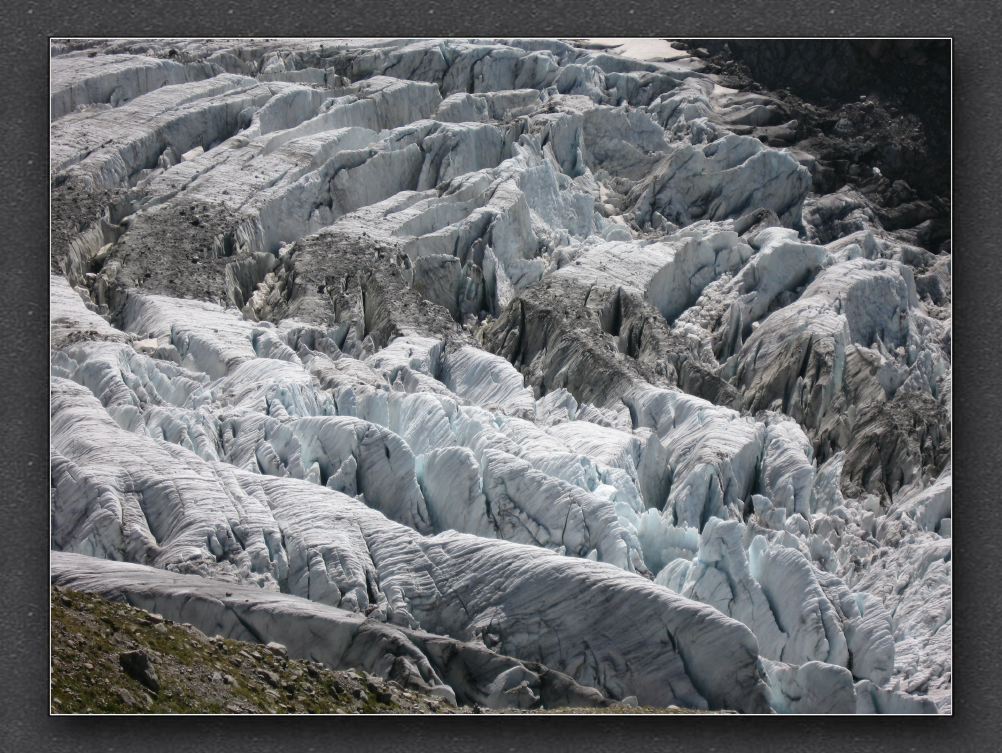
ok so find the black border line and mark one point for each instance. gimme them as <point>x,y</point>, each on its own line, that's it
<point>976,724</point>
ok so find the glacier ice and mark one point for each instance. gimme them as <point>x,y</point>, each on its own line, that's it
<point>518,372</point>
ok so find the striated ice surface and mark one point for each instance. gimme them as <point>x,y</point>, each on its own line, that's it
<point>515,371</point>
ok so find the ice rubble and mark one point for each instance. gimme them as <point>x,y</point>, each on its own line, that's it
<point>453,359</point>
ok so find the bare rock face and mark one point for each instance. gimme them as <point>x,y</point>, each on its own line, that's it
<point>138,666</point>
<point>523,373</point>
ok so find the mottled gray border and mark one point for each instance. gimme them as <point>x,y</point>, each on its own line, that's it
<point>26,27</point>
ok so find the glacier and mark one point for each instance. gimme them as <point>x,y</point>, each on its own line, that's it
<point>517,371</point>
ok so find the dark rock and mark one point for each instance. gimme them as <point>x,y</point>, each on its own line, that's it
<point>268,676</point>
<point>138,666</point>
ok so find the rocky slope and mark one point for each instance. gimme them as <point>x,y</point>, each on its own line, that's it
<point>113,658</point>
<point>522,373</point>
